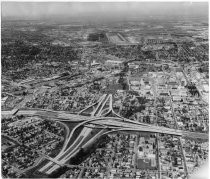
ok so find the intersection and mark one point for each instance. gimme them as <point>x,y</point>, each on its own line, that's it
<point>100,116</point>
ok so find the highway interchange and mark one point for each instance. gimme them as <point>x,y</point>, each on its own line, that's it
<point>99,115</point>
<point>99,118</point>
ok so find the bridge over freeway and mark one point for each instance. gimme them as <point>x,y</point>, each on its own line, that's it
<point>98,118</point>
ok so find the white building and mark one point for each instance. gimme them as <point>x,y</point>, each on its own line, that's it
<point>114,64</point>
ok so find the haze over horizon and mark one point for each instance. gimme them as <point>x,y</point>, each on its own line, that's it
<point>105,11</point>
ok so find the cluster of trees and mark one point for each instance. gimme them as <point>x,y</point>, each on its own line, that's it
<point>192,89</point>
<point>17,55</point>
<point>127,52</point>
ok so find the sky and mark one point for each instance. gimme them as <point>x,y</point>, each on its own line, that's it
<point>101,10</point>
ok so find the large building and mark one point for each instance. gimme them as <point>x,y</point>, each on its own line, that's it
<point>114,64</point>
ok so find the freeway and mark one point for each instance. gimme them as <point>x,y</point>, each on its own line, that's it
<point>56,115</point>
<point>98,107</point>
<point>109,121</point>
<point>66,153</point>
<point>63,157</point>
<point>92,107</point>
<point>63,116</point>
<point>62,160</point>
<point>39,82</point>
<point>99,116</point>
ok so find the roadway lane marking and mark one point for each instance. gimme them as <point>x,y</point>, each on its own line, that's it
<point>78,138</point>
<point>64,150</point>
<point>46,166</point>
<point>86,133</point>
<point>55,167</point>
<point>63,160</point>
<point>99,104</point>
<point>100,100</point>
<point>104,103</point>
